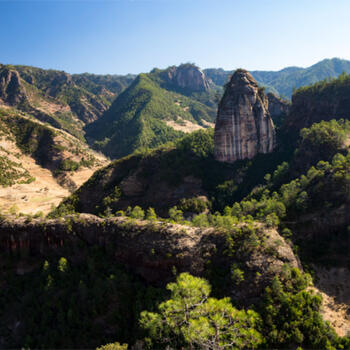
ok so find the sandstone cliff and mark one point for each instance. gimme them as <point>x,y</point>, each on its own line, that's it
<point>243,127</point>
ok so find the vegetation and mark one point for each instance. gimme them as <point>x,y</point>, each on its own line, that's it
<point>137,118</point>
<point>191,156</point>
<point>73,303</point>
<point>80,297</point>
<point>193,319</point>
<point>12,173</point>
<point>288,316</point>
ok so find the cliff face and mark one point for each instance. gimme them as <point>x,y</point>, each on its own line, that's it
<point>243,127</point>
<point>150,249</point>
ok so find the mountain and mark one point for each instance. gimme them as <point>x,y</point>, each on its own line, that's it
<point>64,101</point>
<point>186,78</point>
<point>283,82</point>
<point>108,86</point>
<point>187,251</point>
<point>156,108</point>
<point>43,151</point>
<point>40,164</point>
<point>161,178</point>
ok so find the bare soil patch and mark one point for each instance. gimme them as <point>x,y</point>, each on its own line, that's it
<point>334,287</point>
<point>185,126</point>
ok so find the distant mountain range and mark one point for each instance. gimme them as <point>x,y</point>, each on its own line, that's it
<point>284,81</point>
<point>120,114</point>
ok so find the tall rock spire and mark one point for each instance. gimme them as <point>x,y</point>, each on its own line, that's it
<point>243,127</point>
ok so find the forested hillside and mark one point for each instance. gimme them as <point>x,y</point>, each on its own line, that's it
<point>166,246</point>
<point>152,111</point>
<point>284,82</point>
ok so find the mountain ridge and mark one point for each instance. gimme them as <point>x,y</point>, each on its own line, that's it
<point>284,81</point>
<point>152,114</point>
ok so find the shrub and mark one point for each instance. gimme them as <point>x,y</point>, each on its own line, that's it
<point>137,213</point>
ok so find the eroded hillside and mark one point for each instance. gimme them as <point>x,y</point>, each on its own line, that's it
<point>40,164</point>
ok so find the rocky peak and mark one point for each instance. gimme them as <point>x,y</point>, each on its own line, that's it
<point>244,126</point>
<point>12,91</point>
<point>188,77</point>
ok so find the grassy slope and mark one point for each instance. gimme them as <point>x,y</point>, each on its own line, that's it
<point>137,118</point>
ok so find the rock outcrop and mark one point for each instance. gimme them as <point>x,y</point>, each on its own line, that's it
<point>12,91</point>
<point>188,77</point>
<point>152,249</point>
<point>244,126</point>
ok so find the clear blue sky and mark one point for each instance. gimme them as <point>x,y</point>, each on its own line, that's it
<point>125,36</point>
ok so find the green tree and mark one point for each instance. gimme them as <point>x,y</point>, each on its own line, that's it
<point>176,214</point>
<point>192,318</point>
<point>137,213</point>
<point>151,214</point>
<point>62,265</point>
<point>200,220</point>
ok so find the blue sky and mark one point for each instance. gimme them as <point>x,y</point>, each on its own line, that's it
<point>132,36</point>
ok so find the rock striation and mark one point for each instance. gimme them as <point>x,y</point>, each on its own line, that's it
<point>244,126</point>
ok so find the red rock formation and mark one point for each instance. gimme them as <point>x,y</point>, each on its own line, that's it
<point>243,127</point>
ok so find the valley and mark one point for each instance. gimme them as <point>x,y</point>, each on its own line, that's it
<point>124,198</point>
